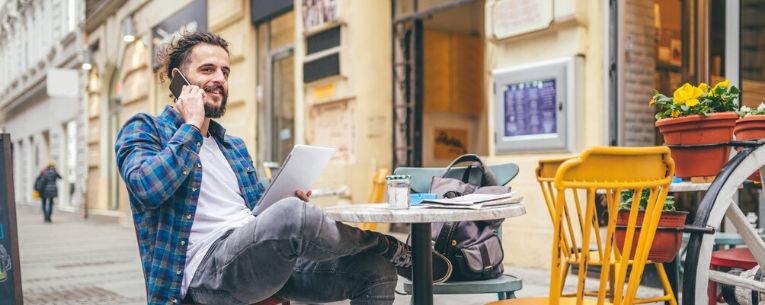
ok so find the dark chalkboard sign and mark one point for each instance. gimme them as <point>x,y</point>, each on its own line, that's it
<point>10,272</point>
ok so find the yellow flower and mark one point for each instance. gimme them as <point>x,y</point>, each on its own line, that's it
<point>704,87</point>
<point>723,84</point>
<point>687,95</point>
<point>652,102</point>
<point>675,113</point>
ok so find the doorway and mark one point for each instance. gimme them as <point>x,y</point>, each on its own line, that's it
<point>276,88</point>
<point>439,94</point>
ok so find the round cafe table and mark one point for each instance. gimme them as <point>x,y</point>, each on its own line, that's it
<point>420,219</point>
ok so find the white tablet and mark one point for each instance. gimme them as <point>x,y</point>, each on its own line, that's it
<point>298,172</point>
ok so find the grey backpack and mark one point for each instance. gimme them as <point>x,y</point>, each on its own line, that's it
<point>473,247</point>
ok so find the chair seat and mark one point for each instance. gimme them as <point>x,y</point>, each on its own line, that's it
<point>733,258</point>
<point>544,301</point>
<point>504,283</point>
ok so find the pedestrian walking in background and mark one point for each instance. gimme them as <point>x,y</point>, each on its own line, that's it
<point>48,189</point>
<point>39,186</point>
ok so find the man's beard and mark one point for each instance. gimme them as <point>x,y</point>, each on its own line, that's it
<point>215,112</point>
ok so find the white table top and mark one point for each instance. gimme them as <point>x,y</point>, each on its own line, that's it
<point>688,187</point>
<point>378,212</point>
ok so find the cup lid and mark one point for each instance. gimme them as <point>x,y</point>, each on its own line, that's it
<point>398,177</point>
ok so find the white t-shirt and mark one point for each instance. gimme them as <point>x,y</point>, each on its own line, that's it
<point>220,207</point>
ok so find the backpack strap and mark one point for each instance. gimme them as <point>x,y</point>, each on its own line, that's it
<point>443,241</point>
<point>487,177</point>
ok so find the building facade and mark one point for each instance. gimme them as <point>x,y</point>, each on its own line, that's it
<point>41,104</point>
<point>418,82</point>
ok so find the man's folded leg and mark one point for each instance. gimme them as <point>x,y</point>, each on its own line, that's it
<point>257,260</point>
<point>364,278</point>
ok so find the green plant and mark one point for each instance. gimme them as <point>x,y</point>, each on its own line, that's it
<point>690,100</point>
<point>626,201</point>
<point>746,111</point>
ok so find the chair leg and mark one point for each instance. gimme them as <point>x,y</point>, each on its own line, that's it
<point>564,275</point>
<point>665,283</point>
<point>611,282</point>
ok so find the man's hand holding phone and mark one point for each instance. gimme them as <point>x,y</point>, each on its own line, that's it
<point>190,101</point>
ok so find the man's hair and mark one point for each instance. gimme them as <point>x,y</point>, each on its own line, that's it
<point>175,54</point>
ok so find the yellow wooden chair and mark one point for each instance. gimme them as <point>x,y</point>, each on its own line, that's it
<point>610,171</point>
<point>545,174</point>
<point>376,195</point>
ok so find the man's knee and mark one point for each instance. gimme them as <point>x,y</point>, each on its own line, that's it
<point>285,216</point>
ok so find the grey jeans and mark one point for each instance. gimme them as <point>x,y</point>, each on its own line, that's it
<point>293,250</point>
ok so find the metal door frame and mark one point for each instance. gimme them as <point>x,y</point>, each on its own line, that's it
<point>271,57</point>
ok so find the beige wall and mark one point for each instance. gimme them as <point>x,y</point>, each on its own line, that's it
<point>365,85</point>
<point>577,29</point>
<point>230,19</point>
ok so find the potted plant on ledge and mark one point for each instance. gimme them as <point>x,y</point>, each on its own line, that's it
<point>669,234</point>
<point>751,126</point>
<point>700,116</point>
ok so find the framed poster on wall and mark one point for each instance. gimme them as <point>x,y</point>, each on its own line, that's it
<point>534,106</point>
<point>450,143</point>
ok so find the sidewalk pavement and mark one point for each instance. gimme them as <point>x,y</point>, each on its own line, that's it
<point>76,261</point>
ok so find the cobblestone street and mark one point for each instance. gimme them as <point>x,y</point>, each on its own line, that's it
<point>73,261</point>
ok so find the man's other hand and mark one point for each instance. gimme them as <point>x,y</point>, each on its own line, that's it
<point>303,195</point>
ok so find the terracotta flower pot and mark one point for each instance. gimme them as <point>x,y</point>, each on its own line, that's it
<point>715,128</point>
<point>750,128</point>
<point>666,242</point>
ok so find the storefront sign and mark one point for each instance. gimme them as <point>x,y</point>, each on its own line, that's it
<point>10,273</point>
<point>332,126</point>
<point>324,92</point>
<point>515,17</point>
<point>318,12</point>
<point>191,18</point>
<point>450,143</point>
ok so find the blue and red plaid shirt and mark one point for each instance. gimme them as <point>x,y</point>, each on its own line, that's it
<point>158,157</point>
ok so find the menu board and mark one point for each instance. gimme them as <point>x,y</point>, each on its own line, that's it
<point>530,108</point>
<point>10,275</point>
<point>536,106</point>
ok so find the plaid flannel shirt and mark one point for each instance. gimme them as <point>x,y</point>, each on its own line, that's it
<point>158,159</point>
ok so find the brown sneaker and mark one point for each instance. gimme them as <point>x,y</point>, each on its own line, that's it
<point>402,259</point>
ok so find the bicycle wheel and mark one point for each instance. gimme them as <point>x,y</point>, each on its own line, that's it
<point>715,206</point>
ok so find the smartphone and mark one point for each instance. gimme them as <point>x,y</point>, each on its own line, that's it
<point>177,83</point>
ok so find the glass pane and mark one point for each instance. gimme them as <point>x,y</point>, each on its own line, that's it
<point>263,138</point>
<point>752,52</point>
<point>670,45</point>
<point>284,107</point>
<point>717,42</point>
